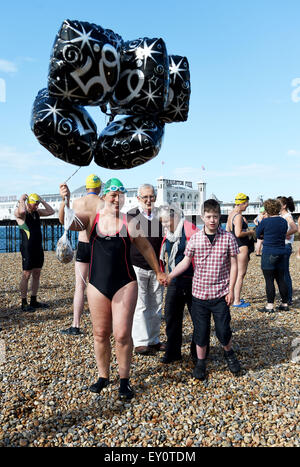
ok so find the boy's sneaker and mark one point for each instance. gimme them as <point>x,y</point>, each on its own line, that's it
<point>232,362</point>
<point>39,305</point>
<point>27,308</point>
<point>199,372</point>
<point>283,308</point>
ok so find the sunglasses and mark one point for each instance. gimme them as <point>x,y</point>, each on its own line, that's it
<point>115,188</point>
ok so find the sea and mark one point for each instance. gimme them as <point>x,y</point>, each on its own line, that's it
<point>10,239</point>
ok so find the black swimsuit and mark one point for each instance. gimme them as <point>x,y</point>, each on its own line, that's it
<point>110,266</point>
<point>243,241</point>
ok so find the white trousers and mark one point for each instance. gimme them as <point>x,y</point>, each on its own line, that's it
<point>147,315</point>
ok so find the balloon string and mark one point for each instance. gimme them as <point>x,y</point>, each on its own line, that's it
<point>73,174</point>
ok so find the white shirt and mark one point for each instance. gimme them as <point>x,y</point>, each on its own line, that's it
<point>291,240</point>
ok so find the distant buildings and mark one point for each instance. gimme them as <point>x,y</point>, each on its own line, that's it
<point>169,191</point>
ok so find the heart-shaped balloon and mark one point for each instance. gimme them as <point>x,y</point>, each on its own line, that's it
<point>128,142</point>
<point>66,130</point>
<point>85,63</point>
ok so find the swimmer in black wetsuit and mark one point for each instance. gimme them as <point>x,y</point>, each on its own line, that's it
<point>112,289</point>
<point>28,215</point>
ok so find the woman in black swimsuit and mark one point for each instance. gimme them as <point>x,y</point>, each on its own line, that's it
<point>237,225</point>
<point>112,288</point>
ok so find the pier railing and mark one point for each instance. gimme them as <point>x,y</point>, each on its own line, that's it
<point>51,229</point>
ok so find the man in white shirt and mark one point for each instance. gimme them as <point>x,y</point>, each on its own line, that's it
<point>147,316</point>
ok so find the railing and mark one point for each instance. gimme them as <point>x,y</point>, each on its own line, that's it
<point>51,229</point>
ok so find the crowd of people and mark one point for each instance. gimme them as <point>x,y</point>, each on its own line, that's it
<point>124,261</point>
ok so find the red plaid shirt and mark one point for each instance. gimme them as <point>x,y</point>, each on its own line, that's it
<point>212,263</point>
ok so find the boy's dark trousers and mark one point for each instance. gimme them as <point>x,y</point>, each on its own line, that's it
<point>201,315</point>
<point>179,294</point>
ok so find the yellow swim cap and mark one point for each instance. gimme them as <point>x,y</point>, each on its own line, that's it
<point>241,198</point>
<point>33,198</point>
<point>92,181</point>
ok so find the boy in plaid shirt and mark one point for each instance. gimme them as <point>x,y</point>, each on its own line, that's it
<point>213,251</point>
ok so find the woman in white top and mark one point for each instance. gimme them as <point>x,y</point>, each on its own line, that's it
<point>259,241</point>
<point>287,206</point>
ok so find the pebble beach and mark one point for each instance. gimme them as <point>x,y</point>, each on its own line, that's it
<point>45,376</point>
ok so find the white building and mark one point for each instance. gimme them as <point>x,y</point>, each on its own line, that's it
<point>169,191</point>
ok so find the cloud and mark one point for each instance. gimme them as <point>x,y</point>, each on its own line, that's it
<point>293,153</point>
<point>7,66</point>
<point>14,159</point>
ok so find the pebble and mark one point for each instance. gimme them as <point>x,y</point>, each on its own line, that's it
<point>45,376</point>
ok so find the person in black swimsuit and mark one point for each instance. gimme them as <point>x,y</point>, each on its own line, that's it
<point>112,288</point>
<point>237,225</point>
<point>28,215</point>
<point>83,255</point>
<point>114,270</point>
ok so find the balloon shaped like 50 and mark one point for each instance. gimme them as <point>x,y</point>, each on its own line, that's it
<point>85,63</point>
<point>143,85</point>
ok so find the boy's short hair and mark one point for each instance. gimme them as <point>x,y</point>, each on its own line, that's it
<point>211,205</point>
<point>272,207</point>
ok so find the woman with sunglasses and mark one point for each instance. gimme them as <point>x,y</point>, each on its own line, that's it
<point>112,288</point>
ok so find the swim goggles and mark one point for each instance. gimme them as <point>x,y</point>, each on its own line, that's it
<point>122,189</point>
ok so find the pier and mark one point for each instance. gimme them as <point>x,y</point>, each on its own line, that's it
<point>51,229</point>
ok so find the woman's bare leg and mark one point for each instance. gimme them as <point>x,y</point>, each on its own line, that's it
<point>123,306</point>
<point>81,273</point>
<point>101,316</point>
<point>242,260</point>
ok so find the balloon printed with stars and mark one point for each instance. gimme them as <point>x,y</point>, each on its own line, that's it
<point>135,82</point>
<point>67,131</point>
<point>129,142</point>
<point>85,63</point>
<point>177,107</point>
<point>143,85</point>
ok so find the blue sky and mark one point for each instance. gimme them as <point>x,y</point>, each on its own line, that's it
<point>244,118</point>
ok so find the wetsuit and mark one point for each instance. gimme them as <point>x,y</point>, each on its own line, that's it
<point>31,242</point>
<point>110,266</point>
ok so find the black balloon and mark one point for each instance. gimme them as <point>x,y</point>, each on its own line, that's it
<point>85,63</point>
<point>67,131</point>
<point>143,85</point>
<point>129,142</point>
<point>177,108</point>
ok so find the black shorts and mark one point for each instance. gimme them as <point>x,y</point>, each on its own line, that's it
<point>83,254</point>
<point>32,259</point>
<point>201,315</point>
